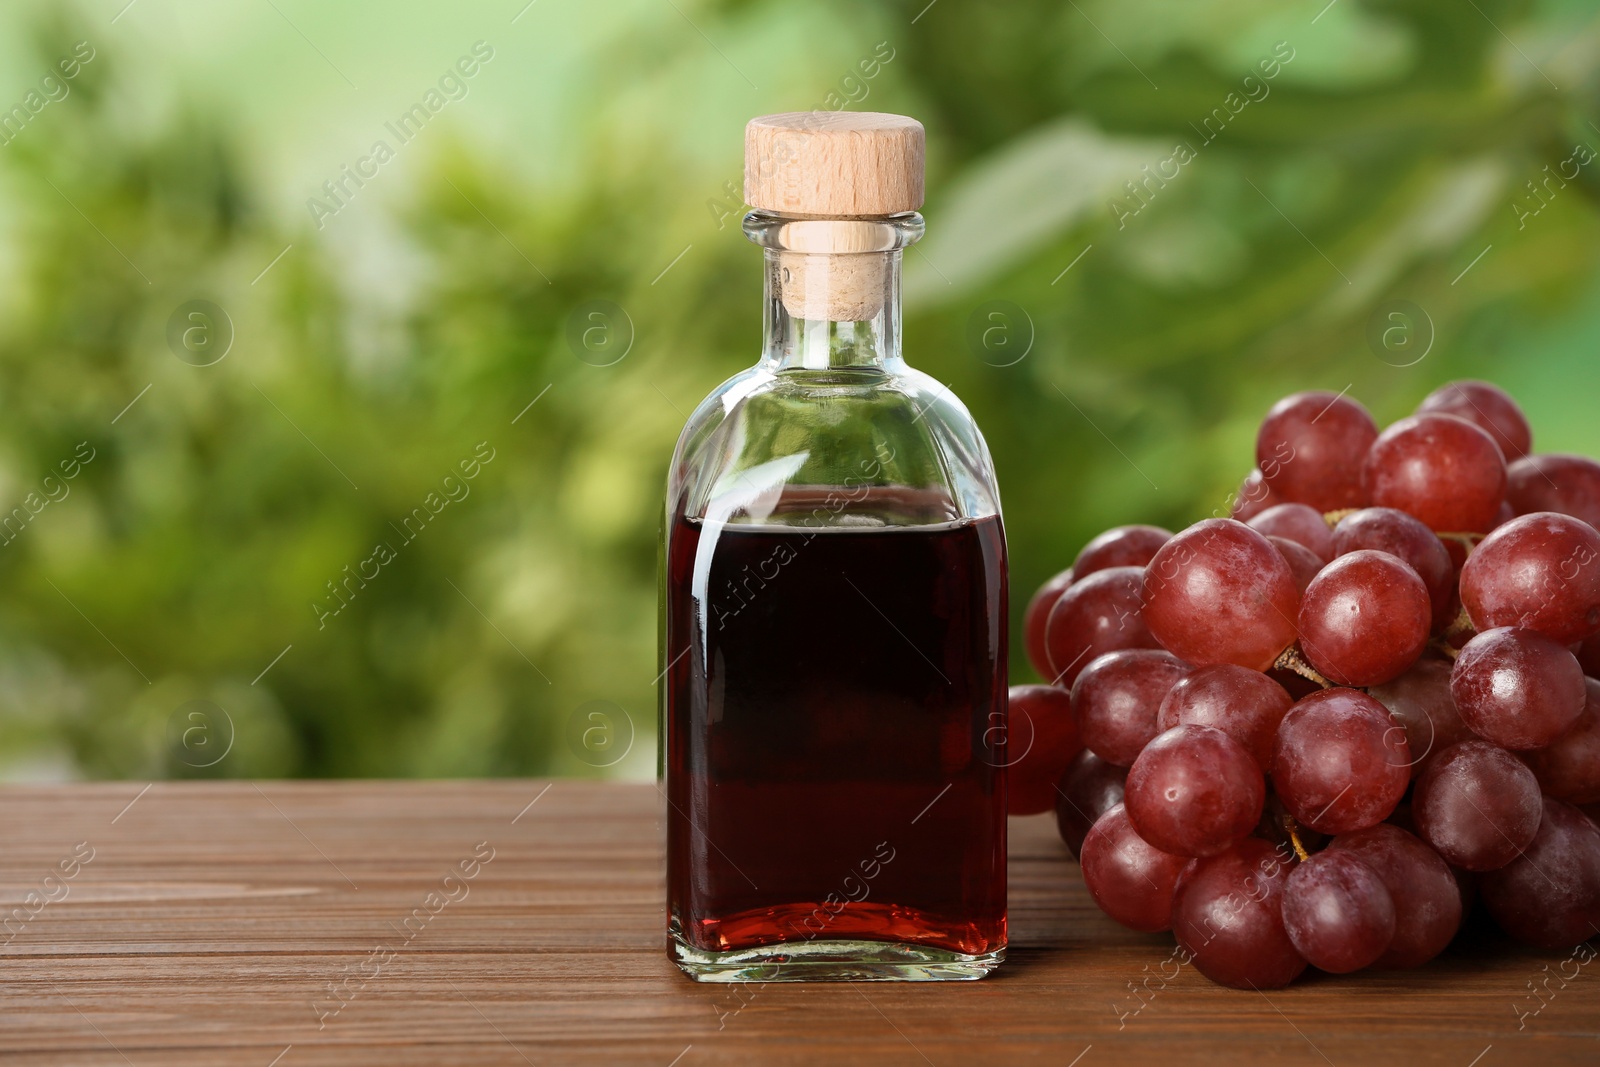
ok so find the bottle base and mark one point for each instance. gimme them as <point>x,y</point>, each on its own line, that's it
<point>832,961</point>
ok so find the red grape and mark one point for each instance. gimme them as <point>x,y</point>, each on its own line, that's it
<point>1303,563</point>
<point>1550,895</point>
<point>1299,523</point>
<point>1120,546</point>
<point>1201,764</point>
<point>1517,687</point>
<point>1096,615</point>
<point>1477,805</point>
<point>1194,791</point>
<point>1034,619</point>
<point>1042,738</point>
<point>1340,764</point>
<point>1487,407</point>
<point>1569,485</point>
<point>1130,879</point>
<point>1255,496</point>
<point>1220,593</point>
<point>1568,768</point>
<point>1541,571</point>
<point>1116,698</point>
<point>1420,702</point>
<point>1427,899</point>
<point>1089,788</point>
<point>1310,446</point>
<point>1395,532</point>
<point>1242,703</point>
<point>1337,912</point>
<point>1365,618</point>
<point>1441,469</point>
<point>1226,913</point>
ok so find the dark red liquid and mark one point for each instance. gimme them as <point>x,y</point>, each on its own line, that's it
<point>835,735</point>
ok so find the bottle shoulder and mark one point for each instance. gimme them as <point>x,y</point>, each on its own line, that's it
<point>763,434</point>
<point>714,409</point>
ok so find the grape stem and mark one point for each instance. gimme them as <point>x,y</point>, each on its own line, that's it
<point>1292,660</point>
<point>1461,624</point>
<point>1468,541</point>
<point>1294,837</point>
<point>1445,647</point>
<point>1332,517</point>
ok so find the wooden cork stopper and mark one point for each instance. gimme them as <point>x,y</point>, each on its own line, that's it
<point>839,288</point>
<point>833,163</point>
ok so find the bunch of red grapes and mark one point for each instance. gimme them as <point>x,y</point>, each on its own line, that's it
<point>1317,731</point>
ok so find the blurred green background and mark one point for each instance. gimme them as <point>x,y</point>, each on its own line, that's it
<point>1378,215</point>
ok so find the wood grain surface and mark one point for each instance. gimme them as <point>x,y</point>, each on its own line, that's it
<point>277,924</point>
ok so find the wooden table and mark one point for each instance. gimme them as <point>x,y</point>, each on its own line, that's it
<point>267,924</point>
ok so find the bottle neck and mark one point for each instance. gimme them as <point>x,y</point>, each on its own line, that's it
<point>832,294</point>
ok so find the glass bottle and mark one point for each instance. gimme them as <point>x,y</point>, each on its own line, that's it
<point>833,638</point>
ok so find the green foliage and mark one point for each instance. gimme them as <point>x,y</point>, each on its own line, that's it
<point>369,365</point>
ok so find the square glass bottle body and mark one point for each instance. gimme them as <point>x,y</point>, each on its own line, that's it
<point>833,646</point>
